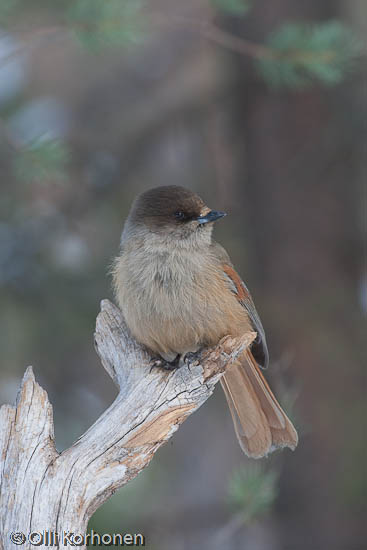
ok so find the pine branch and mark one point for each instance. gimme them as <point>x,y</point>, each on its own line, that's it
<point>40,160</point>
<point>305,54</point>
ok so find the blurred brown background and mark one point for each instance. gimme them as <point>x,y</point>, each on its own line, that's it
<point>289,166</point>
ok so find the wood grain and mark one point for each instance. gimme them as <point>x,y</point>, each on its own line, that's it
<point>41,489</point>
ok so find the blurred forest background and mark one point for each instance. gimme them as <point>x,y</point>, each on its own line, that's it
<point>261,108</point>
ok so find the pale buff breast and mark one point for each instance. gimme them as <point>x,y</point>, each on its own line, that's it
<point>178,302</point>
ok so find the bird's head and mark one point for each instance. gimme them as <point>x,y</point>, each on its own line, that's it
<point>173,215</point>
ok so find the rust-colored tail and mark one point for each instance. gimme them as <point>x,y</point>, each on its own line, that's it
<point>260,423</point>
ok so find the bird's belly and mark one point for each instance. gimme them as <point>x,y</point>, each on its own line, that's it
<point>176,311</point>
<point>166,320</point>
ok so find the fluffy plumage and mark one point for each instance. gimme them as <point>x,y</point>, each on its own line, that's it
<point>179,291</point>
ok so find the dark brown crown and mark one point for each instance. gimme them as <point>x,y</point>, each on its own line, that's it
<point>167,204</point>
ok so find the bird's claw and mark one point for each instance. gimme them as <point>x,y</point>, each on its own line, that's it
<point>162,364</point>
<point>191,358</point>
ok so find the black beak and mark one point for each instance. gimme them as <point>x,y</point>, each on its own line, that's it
<point>211,217</point>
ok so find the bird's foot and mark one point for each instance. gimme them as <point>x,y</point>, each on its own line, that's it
<point>191,358</point>
<point>163,364</point>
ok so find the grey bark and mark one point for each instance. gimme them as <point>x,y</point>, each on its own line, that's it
<point>44,490</point>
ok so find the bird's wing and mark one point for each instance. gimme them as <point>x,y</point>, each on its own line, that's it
<point>259,347</point>
<point>260,423</point>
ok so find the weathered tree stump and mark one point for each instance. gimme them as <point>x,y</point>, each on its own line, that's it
<point>44,490</point>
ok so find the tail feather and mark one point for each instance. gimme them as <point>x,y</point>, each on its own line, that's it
<point>260,423</point>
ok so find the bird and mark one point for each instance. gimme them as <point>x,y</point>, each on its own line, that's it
<point>179,292</point>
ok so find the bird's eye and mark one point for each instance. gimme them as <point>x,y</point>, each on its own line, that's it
<point>180,215</point>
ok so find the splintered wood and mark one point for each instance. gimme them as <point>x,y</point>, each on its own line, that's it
<point>43,490</point>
